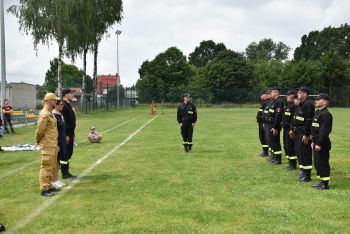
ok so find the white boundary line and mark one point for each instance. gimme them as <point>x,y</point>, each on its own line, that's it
<point>82,141</point>
<point>27,219</point>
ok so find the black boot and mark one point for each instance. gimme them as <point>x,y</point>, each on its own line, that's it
<point>292,165</point>
<point>278,160</point>
<point>306,177</point>
<point>323,185</point>
<point>2,228</point>
<point>189,147</point>
<point>186,148</point>
<point>65,172</point>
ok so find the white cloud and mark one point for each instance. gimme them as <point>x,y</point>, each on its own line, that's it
<point>150,27</point>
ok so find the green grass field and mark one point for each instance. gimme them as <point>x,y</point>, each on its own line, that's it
<point>148,184</point>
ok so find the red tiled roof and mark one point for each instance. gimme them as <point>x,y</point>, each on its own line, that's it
<point>102,81</point>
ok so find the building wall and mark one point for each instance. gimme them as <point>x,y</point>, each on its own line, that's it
<point>21,95</point>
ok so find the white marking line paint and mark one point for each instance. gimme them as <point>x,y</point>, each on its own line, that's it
<point>32,163</point>
<point>26,220</point>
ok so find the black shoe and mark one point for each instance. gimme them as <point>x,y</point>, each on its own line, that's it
<point>69,176</point>
<point>305,179</point>
<point>276,162</point>
<point>47,193</point>
<point>316,185</point>
<point>323,185</point>
<point>189,148</point>
<point>2,228</point>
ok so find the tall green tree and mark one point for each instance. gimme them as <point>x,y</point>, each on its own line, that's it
<point>228,77</point>
<point>267,50</point>
<point>46,21</point>
<point>205,52</point>
<point>161,78</point>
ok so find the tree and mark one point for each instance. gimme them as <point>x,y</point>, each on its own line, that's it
<point>267,50</point>
<point>71,77</point>
<point>46,21</point>
<point>228,77</point>
<point>317,43</point>
<point>336,70</point>
<point>161,78</point>
<point>205,52</point>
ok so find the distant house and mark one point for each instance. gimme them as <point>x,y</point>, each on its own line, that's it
<point>22,96</point>
<point>104,81</point>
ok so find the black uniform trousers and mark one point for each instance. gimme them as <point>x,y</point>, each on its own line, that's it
<point>321,161</point>
<point>187,133</point>
<point>70,145</point>
<point>304,152</point>
<point>262,136</point>
<point>8,121</point>
<point>274,141</point>
<point>288,145</point>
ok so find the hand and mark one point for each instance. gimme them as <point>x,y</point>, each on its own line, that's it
<point>317,147</point>
<point>274,131</point>
<point>291,134</point>
<point>193,124</point>
<point>58,149</point>
<point>305,139</point>
<point>67,139</point>
<point>180,125</point>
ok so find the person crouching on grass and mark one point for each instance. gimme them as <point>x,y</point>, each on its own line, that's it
<point>62,143</point>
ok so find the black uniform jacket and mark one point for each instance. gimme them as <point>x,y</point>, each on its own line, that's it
<point>61,127</point>
<point>321,127</point>
<point>275,113</point>
<point>302,119</point>
<point>186,113</point>
<point>69,118</point>
<point>259,115</point>
<point>288,114</point>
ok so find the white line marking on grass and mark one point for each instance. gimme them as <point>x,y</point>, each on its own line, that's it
<point>26,220</point>
<point>14,171</point>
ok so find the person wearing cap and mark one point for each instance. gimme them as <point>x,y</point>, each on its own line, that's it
<point>46,137</point>
<point>274,118</point>
<point>301,131</point>
<point>263,102</point>
<point>321,144</point>
<point>288,144</point>
<point>70,120</point>
<point>187,118</point>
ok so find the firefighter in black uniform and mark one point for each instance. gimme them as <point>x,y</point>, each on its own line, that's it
<point>321,144</point>
<point>70,120</point>
<point>301,130</point>
<point>264,118</point>
<point>288,144</point>
<point>187,118</point>
<point>274,118</point>
<point>259,119</point>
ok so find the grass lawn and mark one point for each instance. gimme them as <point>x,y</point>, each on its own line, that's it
<point>149,184</point>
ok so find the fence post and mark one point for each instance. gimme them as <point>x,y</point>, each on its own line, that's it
<point>107,97</point>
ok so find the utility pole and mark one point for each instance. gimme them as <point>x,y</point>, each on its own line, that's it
<point>3,59</point>
<point>118,32</point>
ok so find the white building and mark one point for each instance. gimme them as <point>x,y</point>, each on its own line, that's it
<point>22,96</point>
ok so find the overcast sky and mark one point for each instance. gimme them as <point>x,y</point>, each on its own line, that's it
<point>150,27</point>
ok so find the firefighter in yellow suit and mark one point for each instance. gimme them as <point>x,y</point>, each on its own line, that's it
<point>47,138</point>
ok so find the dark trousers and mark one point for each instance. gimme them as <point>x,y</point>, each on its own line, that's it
<point>7,121</point>
<point>274,141</point>
<point>321,161</point>
<point>266,133</point>
<point>187,133</point>
<point>304,152</point>
<point>288,145</point>
<point>262,136</point>
<point>70,145</point>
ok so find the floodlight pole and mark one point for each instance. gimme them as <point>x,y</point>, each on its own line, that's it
<point>3,59</point>
<point>118,32</point>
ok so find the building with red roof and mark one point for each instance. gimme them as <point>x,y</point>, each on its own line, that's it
<point>104,81</point>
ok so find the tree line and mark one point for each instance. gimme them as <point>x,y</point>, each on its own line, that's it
<point>216,74</point>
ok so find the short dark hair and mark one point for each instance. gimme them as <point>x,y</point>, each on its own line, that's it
<point>305,89</point>
<point>65,91</point>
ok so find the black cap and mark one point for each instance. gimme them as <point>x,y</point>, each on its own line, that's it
<point>323,96</point>
<point>187,95</point>
<point>65,91</point>
<point>305,89</point>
